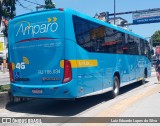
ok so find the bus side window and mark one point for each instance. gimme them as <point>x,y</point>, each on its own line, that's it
<point>147,50</point>
<point>131,45</point>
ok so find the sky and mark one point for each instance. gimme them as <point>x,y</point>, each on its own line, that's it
<point>91,7</point>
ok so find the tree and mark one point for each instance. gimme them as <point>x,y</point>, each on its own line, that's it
<point>8,8</point>
<point>156,38</point>
<point>7,11</point>
<point>49,4</point>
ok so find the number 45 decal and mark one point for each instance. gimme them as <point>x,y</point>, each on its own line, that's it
<point>20,66</point>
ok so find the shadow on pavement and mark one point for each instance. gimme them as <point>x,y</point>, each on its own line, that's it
<point>53,107</point>
<point>127,88</point>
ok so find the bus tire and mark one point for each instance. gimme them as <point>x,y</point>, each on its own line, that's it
<point>145,76</point>
<point>11,97</point>
<point>143,81</point>
<point>115,90</point>
<point>145,73</point>
<point>23,99</point>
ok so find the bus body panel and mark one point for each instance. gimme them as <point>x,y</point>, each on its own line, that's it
<point>60,91</point>
<point>38,50</point>
<point>38,42</point>
<point>100,78</point>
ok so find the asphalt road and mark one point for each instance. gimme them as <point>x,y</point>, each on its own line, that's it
<point>94,106</point>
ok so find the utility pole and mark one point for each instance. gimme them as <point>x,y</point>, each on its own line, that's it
<point>114,11</point>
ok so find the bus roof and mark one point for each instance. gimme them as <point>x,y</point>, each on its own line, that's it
<point>35,12</point>
<point>86,17</point>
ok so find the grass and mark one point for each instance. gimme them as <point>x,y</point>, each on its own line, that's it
<point>4,87</point>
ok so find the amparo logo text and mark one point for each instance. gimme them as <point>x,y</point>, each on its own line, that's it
<point>26,28</point>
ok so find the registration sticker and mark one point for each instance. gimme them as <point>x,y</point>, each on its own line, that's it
<point>37,91</point>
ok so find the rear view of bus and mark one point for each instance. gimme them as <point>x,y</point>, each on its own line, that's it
<point>38,67</point>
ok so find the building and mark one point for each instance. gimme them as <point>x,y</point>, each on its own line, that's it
<point>119,22</point>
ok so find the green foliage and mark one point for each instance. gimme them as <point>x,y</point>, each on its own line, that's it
<point>7,11</point>
<point>8,8</point>
<point>4,88</point>
<point>156,38</point>
<point>49,4</point>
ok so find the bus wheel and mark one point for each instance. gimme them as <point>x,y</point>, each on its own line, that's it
<point>115,90</point>
<point>145,73</point>
<point>22,99</point>
<point>143,81</point>
<point>11,97</point>
<point>145,76</point>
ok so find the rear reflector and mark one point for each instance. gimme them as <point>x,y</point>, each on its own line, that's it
<point>67,71</point>
<point>11,72</point>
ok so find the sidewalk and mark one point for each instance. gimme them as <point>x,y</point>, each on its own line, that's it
<point>4,78</point>
<point>147,106</point>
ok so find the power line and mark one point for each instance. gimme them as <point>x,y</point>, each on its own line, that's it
<point>20,4</point>
<point>36,1</point>
<point>32,2</point>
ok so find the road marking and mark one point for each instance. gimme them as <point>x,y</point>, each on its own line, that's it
<point>118,108</point>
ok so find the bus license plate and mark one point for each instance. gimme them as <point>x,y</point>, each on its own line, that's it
<point>37,91</point>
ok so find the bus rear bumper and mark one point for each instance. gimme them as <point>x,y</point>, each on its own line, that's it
<point>60,91</point>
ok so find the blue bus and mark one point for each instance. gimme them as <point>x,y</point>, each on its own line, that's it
<point>63,54</point>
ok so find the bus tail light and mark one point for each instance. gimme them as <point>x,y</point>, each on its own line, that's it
<point>67,71</point>
<point>11,72</point>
